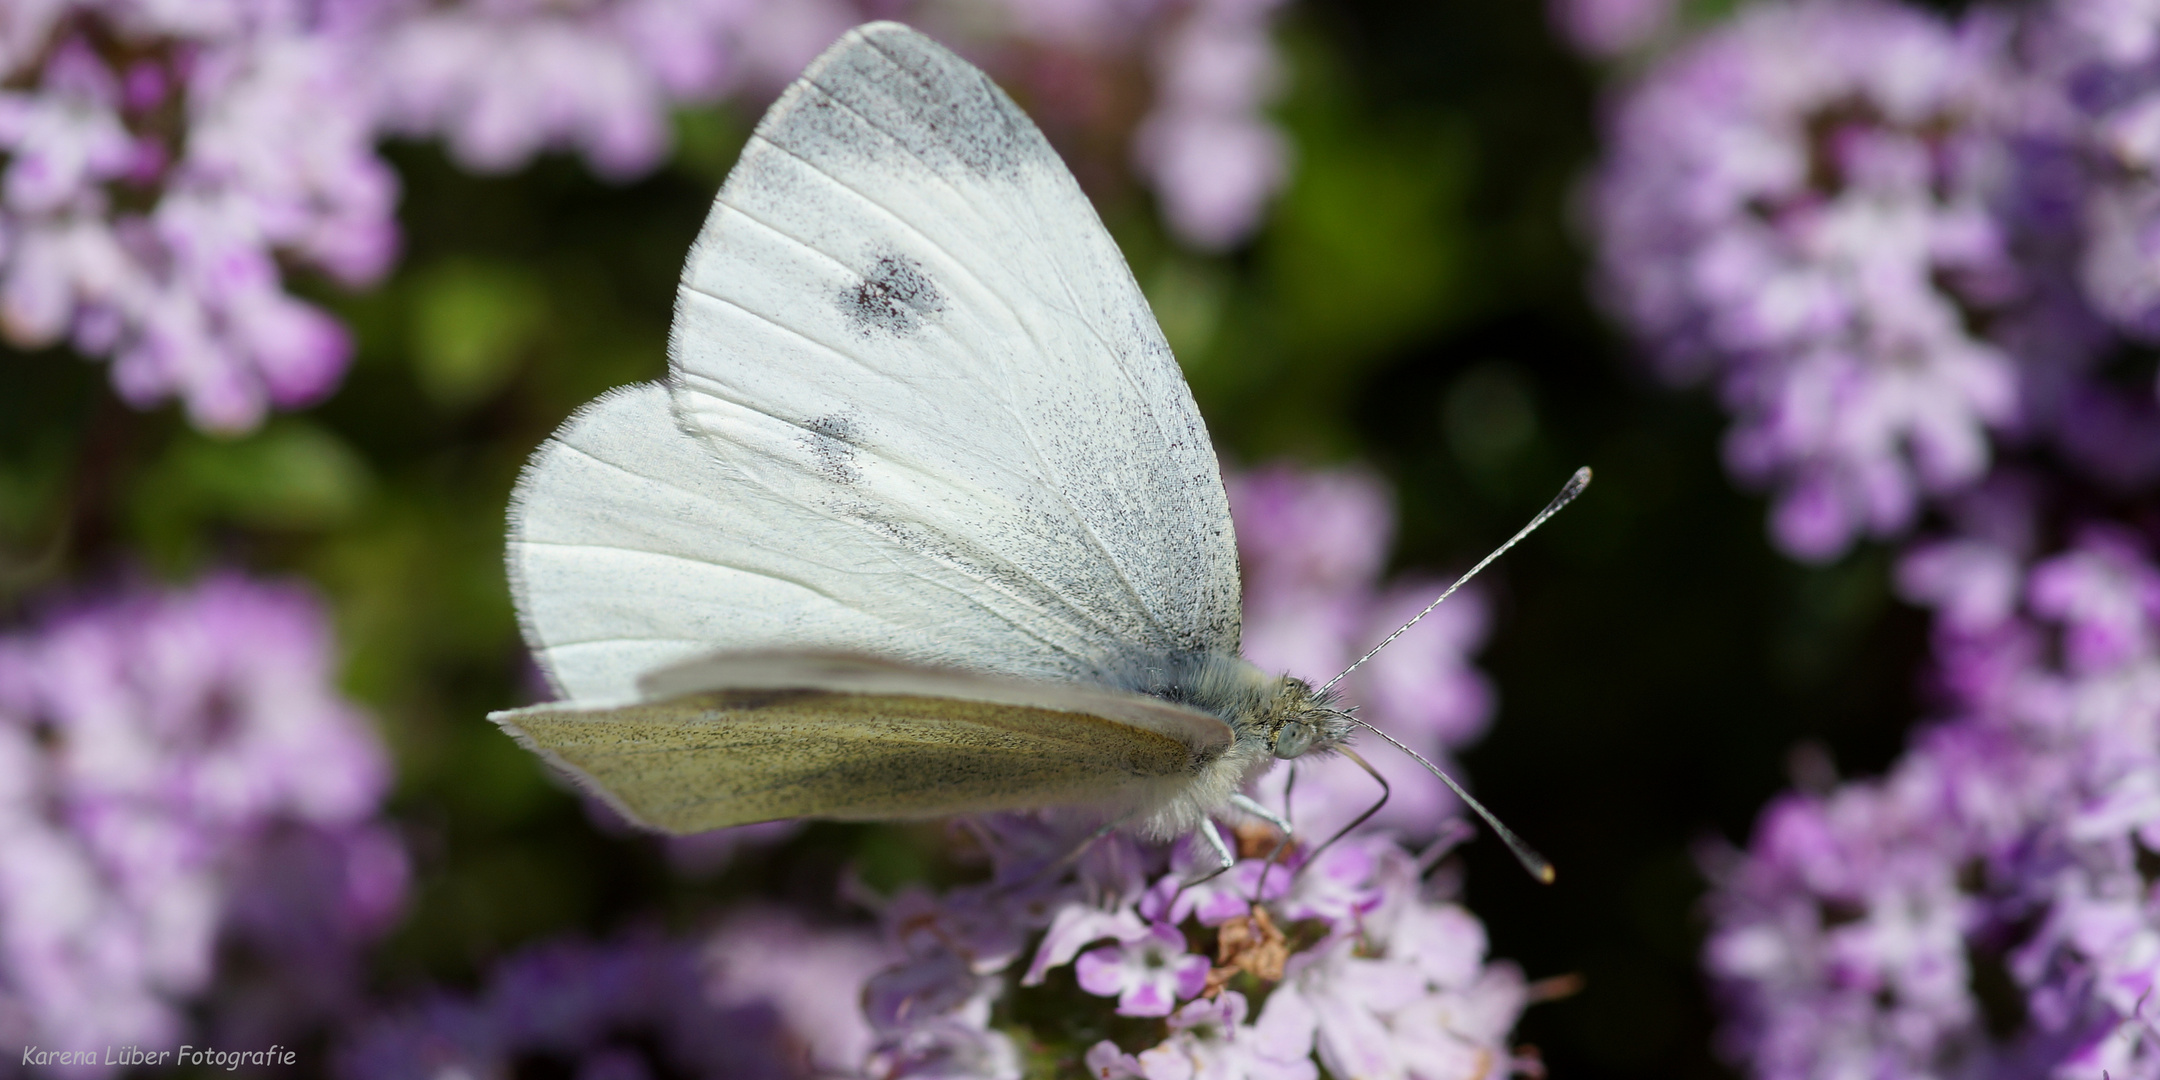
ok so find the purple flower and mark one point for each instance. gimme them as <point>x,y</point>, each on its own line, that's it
<point>2096,88</point>
<point>176,770</point>
<point>2105,596</point>
<point>1148,975</point>
<point>1398,976</point>
<point>1397,984</point>
<point>1895,242</point>
<point>946,1049</point>
<point>1075,927</point>
<point>1217,900</point>
<point>1400,987</point>
<point>1342,884</point>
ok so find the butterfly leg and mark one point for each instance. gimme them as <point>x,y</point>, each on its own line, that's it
<point>1250,806</point>
<point>1245,803</point>
<point>1214,839</point>
<point>1385,790</point>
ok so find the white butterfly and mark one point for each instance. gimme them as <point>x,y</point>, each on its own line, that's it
<point>923,521</point>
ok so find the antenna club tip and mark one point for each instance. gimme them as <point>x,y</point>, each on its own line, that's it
<point>1581,479</point>
<point>1545,874</point>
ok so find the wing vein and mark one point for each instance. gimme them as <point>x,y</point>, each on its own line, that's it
<point>716,389</point>
<point>1058,484</point>
<point>1024,630</point>
<point>1074,308</point>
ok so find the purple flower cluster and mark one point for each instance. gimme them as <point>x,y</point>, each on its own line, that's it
<point>177,773</point>
<point>157,162</point>
<point>1351,962</point>
<point>1906,248</point>
<point>1986,909</point>
<point>1899,245</point>
<point>2098,59</point>
<point>502,80</point>
<point>1313,546</point>
<point>1799,204</point>
<point>163,167</point>
<point>1354,962</point>
<point>765,997</point>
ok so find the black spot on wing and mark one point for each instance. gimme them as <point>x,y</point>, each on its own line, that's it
<point>831,441</point>
<point>895,297</point>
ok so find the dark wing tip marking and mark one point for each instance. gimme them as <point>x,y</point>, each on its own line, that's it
<point>959,114</point>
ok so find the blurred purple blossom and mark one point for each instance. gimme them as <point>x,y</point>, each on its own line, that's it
<point>1206,145</point>
<point>160,162</point>
<point>502,80</point>
<point>1313,546</point>
<point>1898,244</point>
<point>1798,205</point>
<point>164,167</point>
<point>176,769</point>
<point>1879,929</point>
<point>636,1007</point>
<point>1606,28</point>
<point>811,977</point>
<point>1209,1040</point>
<point>2098,87</point>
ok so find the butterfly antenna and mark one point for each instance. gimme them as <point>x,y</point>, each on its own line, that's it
<point>1540,867</point>
<point>1575,486</point>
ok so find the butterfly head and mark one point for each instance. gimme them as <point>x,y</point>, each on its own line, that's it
<point>1302,720</point>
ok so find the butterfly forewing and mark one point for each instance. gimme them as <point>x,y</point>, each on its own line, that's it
<point>918,408</point>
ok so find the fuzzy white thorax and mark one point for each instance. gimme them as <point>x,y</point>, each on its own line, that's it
<point>1260,708</point>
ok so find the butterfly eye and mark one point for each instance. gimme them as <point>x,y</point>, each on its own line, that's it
<point>1292,740</point>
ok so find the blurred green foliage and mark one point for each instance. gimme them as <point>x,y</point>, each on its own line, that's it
<point>1415,301</point>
